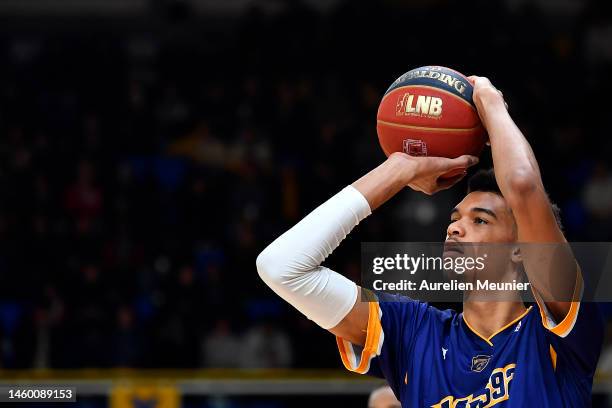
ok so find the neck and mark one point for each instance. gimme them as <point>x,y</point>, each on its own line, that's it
<point>488,317</point>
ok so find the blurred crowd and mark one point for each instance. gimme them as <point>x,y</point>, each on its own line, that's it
<point>144,166</point>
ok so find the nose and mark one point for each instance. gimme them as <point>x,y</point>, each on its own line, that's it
<point>455,230</point>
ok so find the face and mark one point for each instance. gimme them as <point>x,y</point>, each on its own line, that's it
<point>482,217</point>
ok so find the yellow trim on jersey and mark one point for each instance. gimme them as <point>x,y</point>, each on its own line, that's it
<point>374,339</point>
<point>476,332</point>
<point>488,339</point>
<point>511,323</point>
<point>553,357</point>
<point>567,324</point>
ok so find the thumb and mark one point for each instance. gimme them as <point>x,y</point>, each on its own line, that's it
<point>464,161</point>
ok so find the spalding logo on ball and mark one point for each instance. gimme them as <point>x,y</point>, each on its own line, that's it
<point>429,112</point>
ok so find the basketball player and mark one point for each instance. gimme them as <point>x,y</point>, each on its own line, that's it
<point>383,397</point>
<point>494,353</point>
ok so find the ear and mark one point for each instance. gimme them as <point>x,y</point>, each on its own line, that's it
<point>516,256</point>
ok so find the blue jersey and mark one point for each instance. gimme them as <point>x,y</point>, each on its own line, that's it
<point>434,358</point>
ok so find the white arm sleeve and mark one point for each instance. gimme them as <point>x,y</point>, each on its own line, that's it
<point>291,265</point>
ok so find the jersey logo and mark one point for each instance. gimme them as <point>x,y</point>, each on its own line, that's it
<point>518,327</point>
<point>444,353</point>
<point>480,362</point>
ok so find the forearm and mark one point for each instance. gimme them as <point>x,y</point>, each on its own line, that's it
<point>519,180</point>
<point>516,168</point>
<point>291,265</point>
<point>382,183</point>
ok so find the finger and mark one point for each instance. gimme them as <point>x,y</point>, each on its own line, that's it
<point>447,183</point>
<point>472,79</point>
<point>421,188</point>
<point>415,187</point>
<point>486,81</point>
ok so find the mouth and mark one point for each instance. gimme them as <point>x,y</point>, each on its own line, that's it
<point>453,247</point>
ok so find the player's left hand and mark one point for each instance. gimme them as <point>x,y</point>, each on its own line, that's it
<point>485,94</point>
<point>427,174</point>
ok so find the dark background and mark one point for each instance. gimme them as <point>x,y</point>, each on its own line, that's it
<point>148,152</point>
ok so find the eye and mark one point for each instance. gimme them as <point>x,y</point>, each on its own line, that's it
<point>479,220</point>
<point>453,220</point>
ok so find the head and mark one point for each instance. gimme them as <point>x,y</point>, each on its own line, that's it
<point>484,217</point>
<point>383,397</point>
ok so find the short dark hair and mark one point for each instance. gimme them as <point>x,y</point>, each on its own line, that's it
<point>484,180</point>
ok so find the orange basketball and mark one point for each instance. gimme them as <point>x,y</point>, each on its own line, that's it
<point>429,112</point>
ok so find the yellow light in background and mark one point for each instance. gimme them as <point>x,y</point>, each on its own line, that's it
<point>149,396</point>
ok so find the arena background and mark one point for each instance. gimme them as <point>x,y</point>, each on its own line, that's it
<point>149,149</point>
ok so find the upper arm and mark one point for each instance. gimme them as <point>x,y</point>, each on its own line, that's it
<point>575,328</point>
<point>353,327</point>
<point>393,323</point>
<point>578,338</point>
<point>534,214</point>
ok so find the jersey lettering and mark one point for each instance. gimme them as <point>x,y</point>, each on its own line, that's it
<point>496,391</point>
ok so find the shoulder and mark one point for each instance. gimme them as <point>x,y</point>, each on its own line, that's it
<point>409,310</point>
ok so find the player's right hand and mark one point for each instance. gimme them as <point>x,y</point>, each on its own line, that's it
<point>425,174</point>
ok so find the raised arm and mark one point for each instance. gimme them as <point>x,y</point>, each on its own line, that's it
<point>291,265</point>
<point>518,176</point>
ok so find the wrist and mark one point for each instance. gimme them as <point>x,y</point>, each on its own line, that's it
<point>488,99</point>
<point>386,180</point>
<point>402,167</point>
<point>490,105</point>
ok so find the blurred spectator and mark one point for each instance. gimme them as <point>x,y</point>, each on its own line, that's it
<point>90,318</point>
<point>266,346</point>
<point>383,397</point>
<point>84,198</point>
<point>126,345</point>
<point>47,319</point>
<point>598,40</point>
<point>177,340</point>
<point>200,145</point>
<point>221,348</point>
<point>597,194</point>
